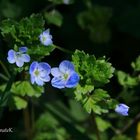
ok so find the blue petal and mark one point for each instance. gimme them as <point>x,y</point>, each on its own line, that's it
<point>39,81</point>
<point>47,31</point>
<point>44,66</point>
<point>11,56</point>
<point>23,49</point>
<point>73,80</point>
<point>58,82</point>
<point>46,78</point>
<point>48,42</point>
<point>32,78</point>
<point>33,66</point>
<point>19,62</point>
<point>56,72</point>
<point>25,58</point>
<point>122,109</point>
<point>46,38</point>
<point>66,66</point>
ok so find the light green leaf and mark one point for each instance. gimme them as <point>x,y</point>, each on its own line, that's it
<point>136,65</point>
<point>54,17</point>
<point>126,80</point>
<point>19,102</point>
<point>102,124</point>
<point>23,88</point>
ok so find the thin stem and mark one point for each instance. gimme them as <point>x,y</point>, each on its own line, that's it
<point>95,124</point>
<point>4,68</point>
<point>32,115</point>
<point>4,77</point>
<point>27,123</point>
<point>63,50</point>
<point>127,126</point>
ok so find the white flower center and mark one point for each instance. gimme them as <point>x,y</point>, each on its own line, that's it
<point>44,38</point>
<point>36,72</point>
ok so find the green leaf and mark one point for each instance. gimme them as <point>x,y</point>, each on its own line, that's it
<point>19,102</point>
<point>23,88</point>
<point>91,105</point>
<point>136,65</point>
<point>40,51</point>
<point>102,124</point>
<point>24,32</point>
<point>126,80</point>
<point>82,90</point>
<point>100,95</point>
<point>92,71</point>
<point>54,17</point>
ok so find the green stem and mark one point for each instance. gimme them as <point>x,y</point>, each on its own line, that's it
<point>4,68</point>
<point>128,125</point>
<point>96,127</point>
<point>63,50</point>
<point>4,77</point>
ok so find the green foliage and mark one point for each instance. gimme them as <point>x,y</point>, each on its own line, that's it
<point>136,65</point>
<point>24,32</point>
<point>54,17</point>
<point>48,127</point>
<point>126,80</point>
<point>95,21</point>
<point>102,124</point>
<point>92,102</point>
<point>9,9</point>
<point>24,88</point>
<point>19,103</point>
<point>93,73</point>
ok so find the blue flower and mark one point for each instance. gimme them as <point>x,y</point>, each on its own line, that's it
<point>18,57</point>
<point>46,38</point>
<point>122,109</point>
<point>40,73</point>
<point>64,76</point>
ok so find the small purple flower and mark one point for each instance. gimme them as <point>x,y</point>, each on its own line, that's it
<point>64,76</point>
<point>40,73</point>
<point>18,57</point>
<point>122,109</point>
<point>46,38</point>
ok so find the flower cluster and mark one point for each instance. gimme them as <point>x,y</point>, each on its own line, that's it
<point>63,76</point>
